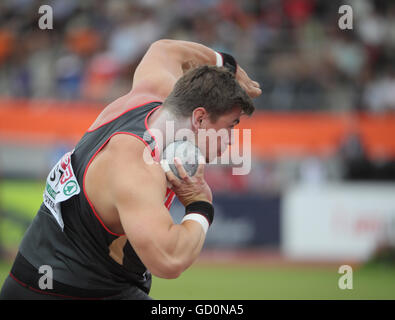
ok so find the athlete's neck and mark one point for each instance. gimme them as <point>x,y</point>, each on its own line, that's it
<point>164,126</point>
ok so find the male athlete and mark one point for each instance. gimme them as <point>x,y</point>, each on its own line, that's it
<point>104,226</point>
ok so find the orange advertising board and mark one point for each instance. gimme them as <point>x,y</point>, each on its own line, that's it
<point>272,133</point>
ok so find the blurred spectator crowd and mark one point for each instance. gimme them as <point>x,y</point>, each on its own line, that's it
<point>294,48</point>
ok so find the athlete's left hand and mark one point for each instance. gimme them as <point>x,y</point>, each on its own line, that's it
<point>252,88</point>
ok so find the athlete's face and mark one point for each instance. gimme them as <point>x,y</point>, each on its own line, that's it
<point>215,137</point>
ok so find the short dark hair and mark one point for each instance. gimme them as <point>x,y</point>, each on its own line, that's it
<point>213,88</point>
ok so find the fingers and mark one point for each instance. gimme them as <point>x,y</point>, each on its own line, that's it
<point>165,165</point>
<point>181,170</point>
<point>252,88</point>
<point>170,176</point>
<point>254,92</point>
<point>255,84</point>
<point>173,179</point>
<point>240,72</point>
<point>200,169</point>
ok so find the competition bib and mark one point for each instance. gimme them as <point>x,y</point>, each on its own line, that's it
<point>61,185</point>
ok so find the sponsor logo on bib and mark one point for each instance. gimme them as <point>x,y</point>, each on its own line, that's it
<point>61,185</point>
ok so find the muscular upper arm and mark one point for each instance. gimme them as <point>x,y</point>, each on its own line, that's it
<point>159,70</point>
<point>165,62</point>
<point>138,191</point>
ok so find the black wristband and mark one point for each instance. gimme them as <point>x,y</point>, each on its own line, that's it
<point>229,62</point>
<point>204,208</point>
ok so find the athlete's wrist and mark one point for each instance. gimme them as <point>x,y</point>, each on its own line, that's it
<point>226,60</point>
<point>201,212</point>
<point>196,199</point>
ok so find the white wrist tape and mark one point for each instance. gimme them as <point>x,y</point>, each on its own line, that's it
<point>198,218</point>
<point>220,60</point>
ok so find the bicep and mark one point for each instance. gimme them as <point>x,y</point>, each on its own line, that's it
<point>142,213</point>
<point>146,223</point>
<point>138,192</point>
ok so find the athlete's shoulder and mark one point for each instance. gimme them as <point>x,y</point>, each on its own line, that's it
<point>127,102</point>
<point>138,98</point>
<point>128,150</point>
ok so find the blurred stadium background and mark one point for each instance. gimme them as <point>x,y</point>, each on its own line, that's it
<point>321,192</point>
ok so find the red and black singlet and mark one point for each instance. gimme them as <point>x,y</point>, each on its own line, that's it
<point>86,254</point>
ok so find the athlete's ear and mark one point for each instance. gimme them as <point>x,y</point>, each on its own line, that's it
<point>199,115</point>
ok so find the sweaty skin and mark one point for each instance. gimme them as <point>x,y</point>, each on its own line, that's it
<point>128,193</point>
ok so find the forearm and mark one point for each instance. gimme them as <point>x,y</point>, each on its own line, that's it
<point>165,248</point>
<point>173,249</point>
<point>167,60</point>
<point>187,243</point>
<point>186,240</point>
<point>188,54</point>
